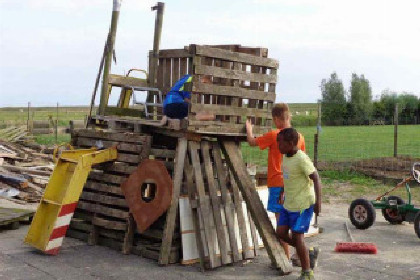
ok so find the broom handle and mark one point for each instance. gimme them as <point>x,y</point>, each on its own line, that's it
<point>400,184</point>
<point>346,226</point>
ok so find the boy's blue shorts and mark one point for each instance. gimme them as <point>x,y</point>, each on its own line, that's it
<point>273,204</point>
<point>297,221</point>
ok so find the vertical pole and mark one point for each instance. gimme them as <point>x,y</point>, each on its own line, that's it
<point>108,57</point>
<point>56,125</point>
<point>396,130</point>
<point>156,42</point>
<point>27,121</point>
<point>316,150</point>
<point>318,125</point>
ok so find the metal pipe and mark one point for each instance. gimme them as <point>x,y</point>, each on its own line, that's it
<point>160,6</point>
<point>108,57</point>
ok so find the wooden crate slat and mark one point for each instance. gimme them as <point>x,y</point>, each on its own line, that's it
<point>236,56</point>
<point>103,187</point>
<point>104,199</point>
<point>112,136</point>
<point>234,74</point>
<point>174,53</point>
<point>230,111</point>
<point>97,221</point>
<point>233,91</point>
<point>100,209</point>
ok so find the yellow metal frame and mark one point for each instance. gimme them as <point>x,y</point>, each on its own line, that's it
<point>64,187</point>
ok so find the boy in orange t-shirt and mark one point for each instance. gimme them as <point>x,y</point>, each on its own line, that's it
<point>281,119</point>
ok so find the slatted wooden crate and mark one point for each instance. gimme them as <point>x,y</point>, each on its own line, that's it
<point>230,81</point>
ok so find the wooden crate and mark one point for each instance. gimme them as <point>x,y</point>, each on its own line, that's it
<point>230,81</point>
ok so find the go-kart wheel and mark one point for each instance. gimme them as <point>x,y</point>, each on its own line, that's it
<point>392,215</point>
<point>362,214</point>
<point>417,224</point>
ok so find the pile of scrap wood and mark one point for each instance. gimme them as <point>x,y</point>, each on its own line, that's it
<point>14,134</point>
<point>24,171</point>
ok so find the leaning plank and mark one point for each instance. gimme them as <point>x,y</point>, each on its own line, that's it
<point>227,201</point>
<point>241,220</point>
<point>129,236</point>
<point>195,215</point>
<point>253,234</point>
<point>204,204</point>
<point>236,56</point>
<point>233,91</point>
<point>234,74</point>
<point>221,236</point>
<point>255,206</point>
<point>168,232</point>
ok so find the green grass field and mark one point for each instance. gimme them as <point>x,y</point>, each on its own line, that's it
<point>348,143</point>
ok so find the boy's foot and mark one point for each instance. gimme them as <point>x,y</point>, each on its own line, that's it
<point>313,256</point>
<point>306,275</point>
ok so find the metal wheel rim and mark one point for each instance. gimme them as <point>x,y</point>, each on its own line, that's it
<point>360,213</point>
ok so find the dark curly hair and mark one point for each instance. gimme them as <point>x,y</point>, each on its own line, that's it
<point>289,135</point>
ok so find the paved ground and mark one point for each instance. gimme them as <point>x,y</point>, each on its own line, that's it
<point>398,257</point>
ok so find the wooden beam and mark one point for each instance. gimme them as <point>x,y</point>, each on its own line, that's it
<point>236,56</point>
<point>123,81</point>
<point>234,74</point>
<point>181,152</point>
<point>233,91</point>
<point>230,111</point>
<point>259,215</point>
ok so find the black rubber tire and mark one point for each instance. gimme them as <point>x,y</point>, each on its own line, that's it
<point>391,215</point>
<point>364,207</point>
<point>417,224</point>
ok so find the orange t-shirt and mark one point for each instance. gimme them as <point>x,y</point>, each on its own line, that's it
<point>275,158</point>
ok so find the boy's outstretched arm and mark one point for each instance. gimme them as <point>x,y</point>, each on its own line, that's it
<point>317,186</point>
<point>249,135</point>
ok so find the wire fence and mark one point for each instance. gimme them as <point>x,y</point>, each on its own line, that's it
<point>380,146</point>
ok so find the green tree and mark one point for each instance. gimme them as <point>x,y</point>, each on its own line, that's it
<point>333,100</point>
<point>389,99</point>
<point>408,106</point>
<point>360,99</point>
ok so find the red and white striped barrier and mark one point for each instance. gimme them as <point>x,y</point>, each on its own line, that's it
<point>60,228</point>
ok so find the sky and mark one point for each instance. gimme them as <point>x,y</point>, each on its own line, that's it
<point>50,50</point>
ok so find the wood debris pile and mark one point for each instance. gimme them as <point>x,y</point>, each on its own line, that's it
<point>25,169</point>
<point>14,134</point>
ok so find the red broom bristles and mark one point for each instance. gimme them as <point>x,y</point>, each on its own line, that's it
<point>356,247</point>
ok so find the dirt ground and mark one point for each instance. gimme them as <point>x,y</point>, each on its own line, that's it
<point>397,258</point>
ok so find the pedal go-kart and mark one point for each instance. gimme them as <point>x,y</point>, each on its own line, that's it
<point>394,209</point>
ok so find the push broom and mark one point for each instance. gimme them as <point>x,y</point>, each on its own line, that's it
<point>355,247</point>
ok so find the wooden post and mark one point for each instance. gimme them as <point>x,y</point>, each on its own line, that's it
<point>153,66</point>
<point>28,122</point>
<point>255,206</point>
<point>316,150</point>
<point>165,249</point>
<point>56,126</point>
<point>108,58</point>
<point>396,130</point>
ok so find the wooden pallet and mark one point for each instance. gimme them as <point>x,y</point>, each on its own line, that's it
<point>11,217</point>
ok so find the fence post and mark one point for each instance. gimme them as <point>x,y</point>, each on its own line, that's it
<point>396,130</point>
<point>316,150</point>
<point>27,121</point>
<point>56,126</point>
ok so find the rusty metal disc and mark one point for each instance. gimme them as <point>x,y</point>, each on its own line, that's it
<point>152,176</point>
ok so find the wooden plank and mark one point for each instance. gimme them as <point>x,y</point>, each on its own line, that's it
<point>175,70</point>
<point>174,53</point>
<point>236,56</point>
<point>168,232</point>
<point>118,80</point>
<point>253,234</point>
<point>215,202</point>
<point>104,210</point>
<point>234,74</point>
<point>163,153</point>
<point>259,215</point>
<point>121,146</point>
<point>104,199</point>
<point>230,111</point>
<point>103,187</point>
<point>115,111</point>
<point>117,167</point>
<point>204,204</point>
<point>233,91</point>
<point>97,221</point>
<point>129,236</point>
<point>112,136</point>
<point>188,172</point>
<point>226,201</point>
<point>237,200</point>
<point>107,178</point>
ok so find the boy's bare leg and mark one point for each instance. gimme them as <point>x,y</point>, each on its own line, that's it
<point>283,244</point>
<point>303,253</point>
<point>298,241</point>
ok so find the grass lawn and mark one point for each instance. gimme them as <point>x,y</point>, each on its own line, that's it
<point>348,143</point>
